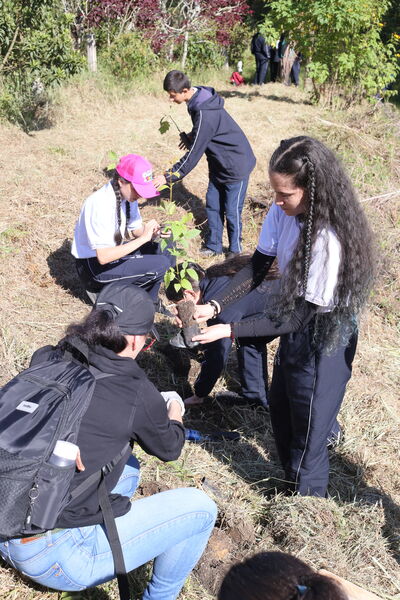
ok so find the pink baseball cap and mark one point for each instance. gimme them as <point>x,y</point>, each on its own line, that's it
<point>139,172</point>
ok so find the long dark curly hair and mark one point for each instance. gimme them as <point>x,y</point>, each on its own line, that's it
<point>330,202</point>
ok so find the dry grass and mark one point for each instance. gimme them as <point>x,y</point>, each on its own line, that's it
<point>44,179</point>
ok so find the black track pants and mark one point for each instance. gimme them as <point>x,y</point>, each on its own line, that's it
<point>306,393</point>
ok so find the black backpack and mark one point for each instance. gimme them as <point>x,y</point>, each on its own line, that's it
<point>41,405</point>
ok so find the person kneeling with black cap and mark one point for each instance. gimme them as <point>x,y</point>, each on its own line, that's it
<point>172,527</point>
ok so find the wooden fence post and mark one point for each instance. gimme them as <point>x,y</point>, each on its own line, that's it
<point>91,52</point>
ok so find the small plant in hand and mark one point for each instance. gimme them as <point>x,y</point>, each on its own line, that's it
<point>165,124</point>
<point>182,232</point>
<point>183,278</point>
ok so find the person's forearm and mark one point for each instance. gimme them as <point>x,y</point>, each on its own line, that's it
<point>175,412</point>
<point>265,327</point>
<point>107,255</point>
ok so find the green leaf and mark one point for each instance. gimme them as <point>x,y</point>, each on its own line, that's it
<point>113,159</point>
<point>163,244</point>
<point>177,287</point>
<point>164,126</point>
<point>192,233</point>
<point>192,273</point>
<point>185,283</point>
<point>168,277</point>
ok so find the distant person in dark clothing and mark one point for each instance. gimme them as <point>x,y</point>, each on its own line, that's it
<point>262,54</point>
<point>275,62</point>
<point>295,72</point>
<point>229,156</point>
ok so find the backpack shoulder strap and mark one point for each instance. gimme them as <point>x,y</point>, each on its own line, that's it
<point>97,475</point>
<point>109,520</point>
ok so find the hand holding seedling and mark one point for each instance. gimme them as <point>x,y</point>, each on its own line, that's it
<point>165,232</point>
<point>203,312</point>
<point>151,229</point>
<point>185,142</point>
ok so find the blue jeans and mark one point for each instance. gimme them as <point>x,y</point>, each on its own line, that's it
<point>172,527</point>
<point>225,201</point>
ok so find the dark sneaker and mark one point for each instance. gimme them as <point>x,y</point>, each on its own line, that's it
<point>208,252</point>
<point>178,341</point>
<point>234,399</point>
<point>232,254</point>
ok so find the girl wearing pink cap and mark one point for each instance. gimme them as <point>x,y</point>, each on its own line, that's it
<point>111,242</point>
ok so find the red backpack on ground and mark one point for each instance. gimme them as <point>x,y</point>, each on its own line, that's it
<point>236,78</point>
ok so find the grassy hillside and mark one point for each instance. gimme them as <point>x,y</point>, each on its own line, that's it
<point>44,179</point>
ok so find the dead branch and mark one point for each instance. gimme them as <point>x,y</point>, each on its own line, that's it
<point>388,195</point>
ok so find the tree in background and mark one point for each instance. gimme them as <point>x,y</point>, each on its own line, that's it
<point>341,40</point>
<point>36,51</point>
<point>169,24</point>
<point>35,39</point>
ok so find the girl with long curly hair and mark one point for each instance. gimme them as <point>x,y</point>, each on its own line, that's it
<point>319,235</point>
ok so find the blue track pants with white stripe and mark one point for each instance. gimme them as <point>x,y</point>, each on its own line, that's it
<point>225,201</point>
<point>305,396</point>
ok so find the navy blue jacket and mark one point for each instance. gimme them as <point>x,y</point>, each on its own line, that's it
<point>229,154</point>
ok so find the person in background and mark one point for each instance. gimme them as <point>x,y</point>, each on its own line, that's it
<point>277,576</point>
<point>275,62</point>
<point>321,239</point>
<point>262,55</point>
<point>172,527</point>
<point>111,242</point>
<point>229,156</point>
<point>287,63</point>
<point>295,73</point>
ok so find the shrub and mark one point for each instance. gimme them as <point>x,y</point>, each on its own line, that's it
<point>130,56</point>
<point>341,40</point>
<point>25,101</point>
<point>203,52</point>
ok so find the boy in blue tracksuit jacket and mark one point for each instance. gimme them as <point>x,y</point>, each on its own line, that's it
<point>229,156</point>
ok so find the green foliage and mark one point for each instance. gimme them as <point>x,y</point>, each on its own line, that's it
<point>112,158</point>
<point>182,232</point>
<point>165,124</point>
<point>270,32</point>
<point>240,42</point>
<point>35,52</point>
<point>204,52</point>
<point>35,40</point>
<point>130,56</point>
<point>341,41</point>
<point>25,102</point>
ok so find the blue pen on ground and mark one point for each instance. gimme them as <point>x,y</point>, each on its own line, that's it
<point>193,435</point>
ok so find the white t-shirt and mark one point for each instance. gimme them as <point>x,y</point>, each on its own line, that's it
<point>279,236</point>
<point>98,223</point>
